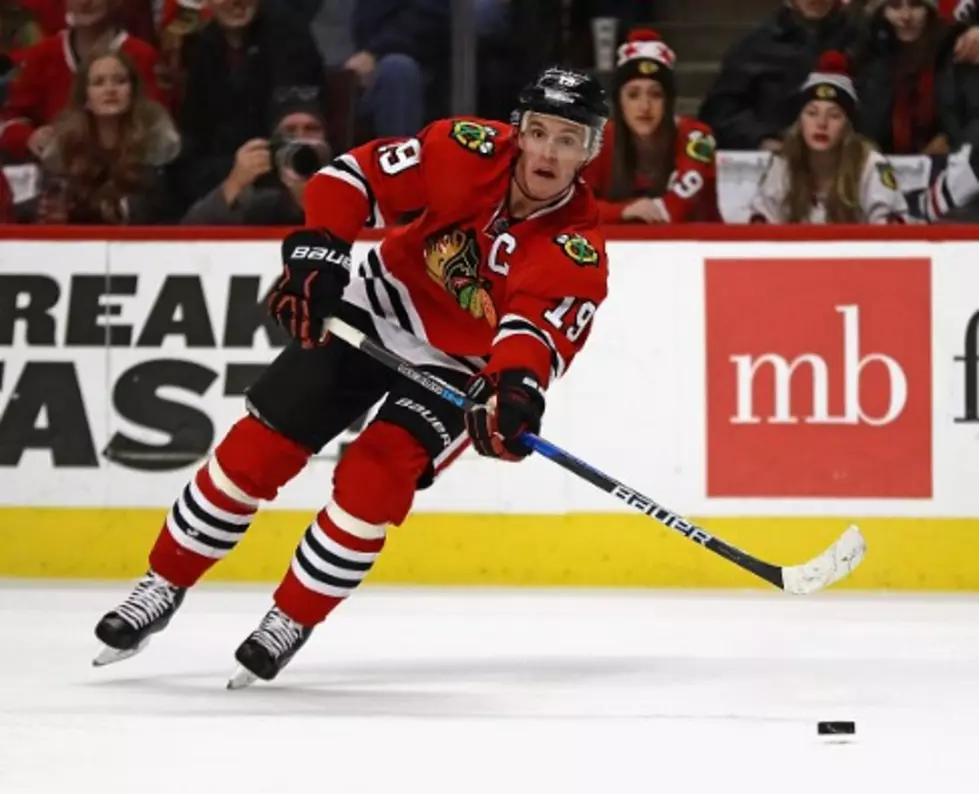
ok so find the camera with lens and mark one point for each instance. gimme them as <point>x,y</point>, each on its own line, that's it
<point>303,156</point>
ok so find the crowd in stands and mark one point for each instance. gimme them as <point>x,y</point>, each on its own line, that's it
<point>218,112</point>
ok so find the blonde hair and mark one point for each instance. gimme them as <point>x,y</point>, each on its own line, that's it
<point>843,201</point>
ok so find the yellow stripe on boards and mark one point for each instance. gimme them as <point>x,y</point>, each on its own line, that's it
<point>609,550</point>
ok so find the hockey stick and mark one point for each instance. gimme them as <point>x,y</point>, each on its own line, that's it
<point>829,567</point>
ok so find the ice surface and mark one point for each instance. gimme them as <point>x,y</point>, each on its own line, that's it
<point>469,691</point>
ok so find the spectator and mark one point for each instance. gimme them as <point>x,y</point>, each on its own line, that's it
<point>827,172</point>
<point>394,42</point>
<point>136,17</point>
<point>6,200</point>
<point>951,196</point>
<point>965,15</point>
<point>178,19</point>
<point>105,163</point>
<point>232,68</point>
<point>50,14</point>
<point>654,166</point>
<point>748,105</point>
<point>916,99</point>
<point>296,151</point>
<point>133,16</point>
<point>19,30</point>
<point>172,10</point>
<point>43,84</point>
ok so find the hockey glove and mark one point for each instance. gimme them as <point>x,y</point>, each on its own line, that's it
<point>511,403</point>
<point>315,272</point>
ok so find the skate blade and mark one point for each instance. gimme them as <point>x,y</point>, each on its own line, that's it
<point>242,678</point>
<point>109,655</point>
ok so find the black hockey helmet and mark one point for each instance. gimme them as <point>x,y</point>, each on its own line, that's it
<point>567,94</point>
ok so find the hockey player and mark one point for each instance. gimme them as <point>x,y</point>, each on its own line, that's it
<point>491,282</point>
<point>655,166</point>
<point>827,172</point>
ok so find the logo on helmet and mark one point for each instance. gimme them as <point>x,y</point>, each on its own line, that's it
<point>556,95</point>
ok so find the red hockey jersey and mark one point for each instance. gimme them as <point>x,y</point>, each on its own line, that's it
<point>136,17</point>
<point>691,194</point>
<point>172,10</point>
<point>50,14</point>
<point>461,275</point>
<point>42,87</point>
<point>959,10</point>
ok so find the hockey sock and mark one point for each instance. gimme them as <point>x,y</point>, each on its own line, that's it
<point>373,487</point>
<point>333,558</point>
<point>217,506</point>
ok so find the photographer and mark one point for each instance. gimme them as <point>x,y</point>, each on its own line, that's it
<point>267,185</point>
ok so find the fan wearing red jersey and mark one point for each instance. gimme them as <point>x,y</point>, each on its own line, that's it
<point>41,89</point>
<point>489,279</point>
<point>654,166</point>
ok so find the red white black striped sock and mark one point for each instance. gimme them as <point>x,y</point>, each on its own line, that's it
<point>332,559</point>
<point>205,523</point>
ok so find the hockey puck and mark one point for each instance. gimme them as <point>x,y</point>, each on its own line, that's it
<point>834,728</point>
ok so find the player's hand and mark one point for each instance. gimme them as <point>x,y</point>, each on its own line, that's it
<point>315,272</point>
<point>511,403</point>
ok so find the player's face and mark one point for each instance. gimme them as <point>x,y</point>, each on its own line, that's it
<point>907,17</point>
<point>110,90</point>
<point>643,104</point>
<point>815,9</point>
<point>233,13</point>
<point>823,125</point>
<point>553,151</point>
<point>86,13</point>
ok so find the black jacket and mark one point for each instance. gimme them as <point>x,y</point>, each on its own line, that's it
<point>956,89</point>
<point>228,99</point>
<point>754,94</point>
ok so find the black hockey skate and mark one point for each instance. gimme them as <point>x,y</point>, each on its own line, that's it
<point>126,629</point>
<point>268,649</point>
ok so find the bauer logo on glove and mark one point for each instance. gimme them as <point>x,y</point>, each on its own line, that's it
<point>319,253</point>
<point>315,273</point>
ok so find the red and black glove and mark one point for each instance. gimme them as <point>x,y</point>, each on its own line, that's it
<point>511,403</point>
<point>315,272</point>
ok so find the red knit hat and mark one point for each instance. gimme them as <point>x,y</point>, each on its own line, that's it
<point>831,81</point>
<point>645,54</point>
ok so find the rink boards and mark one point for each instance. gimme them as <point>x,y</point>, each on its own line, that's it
<point>774,390</point>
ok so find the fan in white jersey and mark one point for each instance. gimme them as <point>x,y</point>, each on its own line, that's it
<point>954,187</point>
<point>826,172</point>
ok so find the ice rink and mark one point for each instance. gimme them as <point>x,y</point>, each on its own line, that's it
<point>499,691</point>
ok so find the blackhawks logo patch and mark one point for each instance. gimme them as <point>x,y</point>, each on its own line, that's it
<point>475,137</point>
<point>887,176</point>
<point>701,147</point>
<point>578,249</point>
